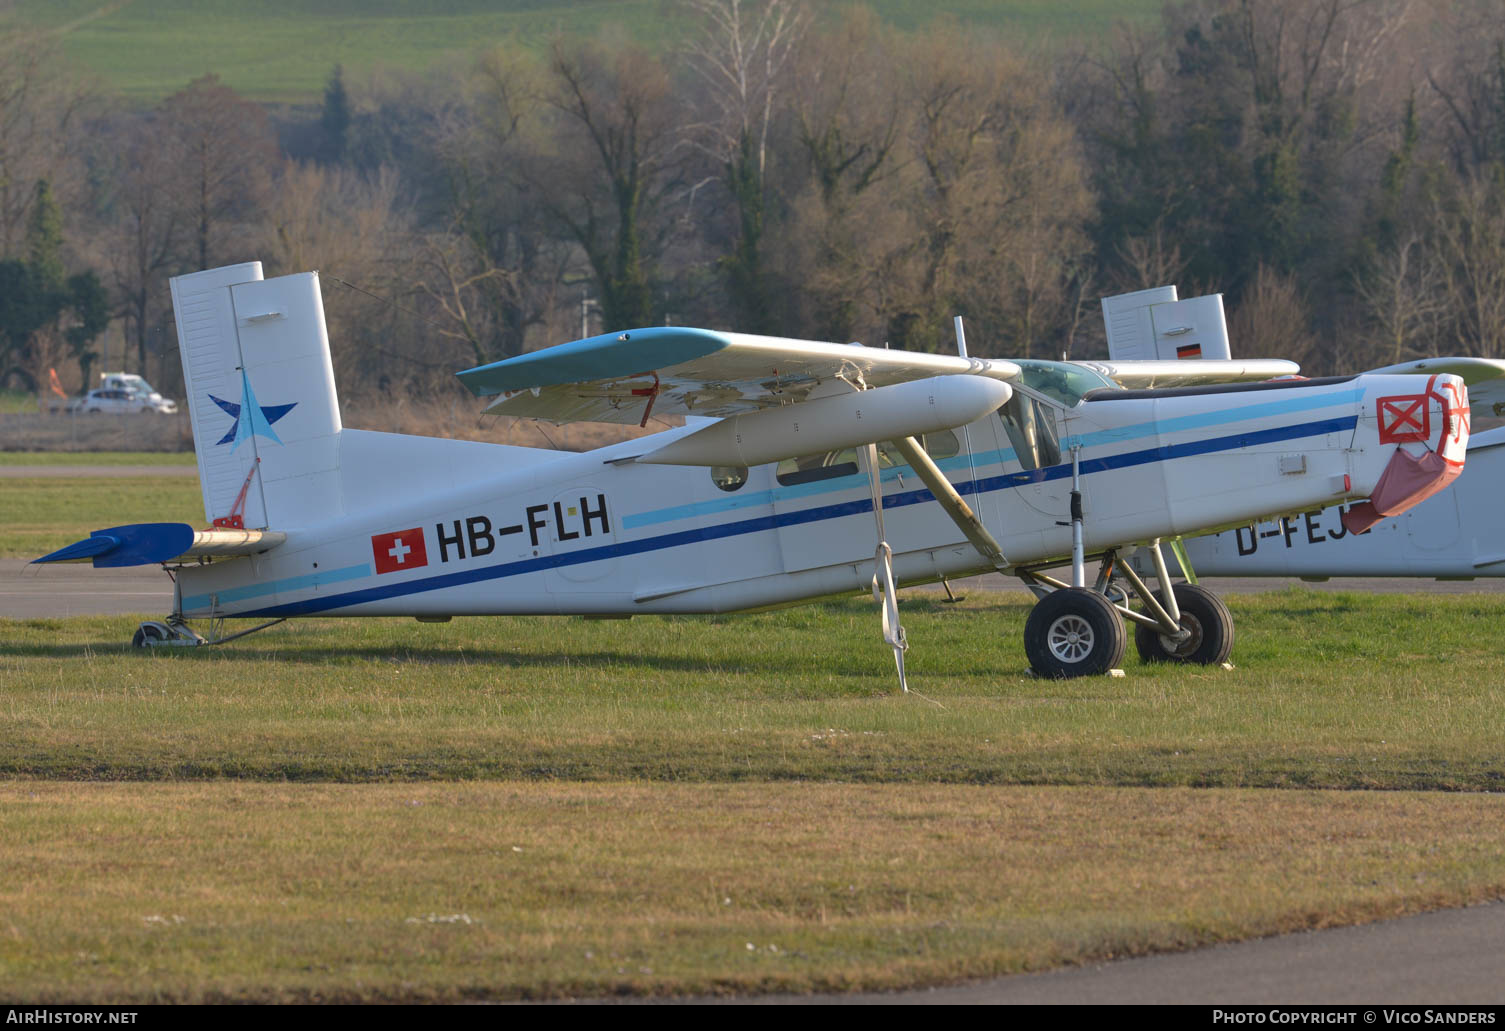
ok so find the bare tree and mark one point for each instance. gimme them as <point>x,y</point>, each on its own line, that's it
<point>740,58</point>
<point>1471,248</point>
<point>41,110</point>
<point>146,236</point>
<point>492,272</point>
<point>1400,294</point>
<point>354,229</point>
<point>617,131</point>
<point>1467,74</point>
<point>1272,320</point>
<point>223,151</point>
<point>995,197</point>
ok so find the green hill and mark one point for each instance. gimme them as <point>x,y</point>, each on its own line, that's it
<point>282,50</point>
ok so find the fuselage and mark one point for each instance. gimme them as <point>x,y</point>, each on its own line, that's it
<point>434,528</point>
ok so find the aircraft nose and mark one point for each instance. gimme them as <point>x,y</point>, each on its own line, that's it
<point>1437,418</point>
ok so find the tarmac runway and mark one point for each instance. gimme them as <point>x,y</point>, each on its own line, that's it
<point>78,589</point>
<point>1450,957</point>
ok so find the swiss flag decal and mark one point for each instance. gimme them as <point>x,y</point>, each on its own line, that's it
<point>394,552</point>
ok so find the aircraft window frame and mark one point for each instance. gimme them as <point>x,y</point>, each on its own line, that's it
<point>832,464</point>
<point>1067,385</point>
<point>1033,429</point>
<point>729,478</point>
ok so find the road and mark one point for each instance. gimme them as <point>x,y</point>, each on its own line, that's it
<point>1449,957</point>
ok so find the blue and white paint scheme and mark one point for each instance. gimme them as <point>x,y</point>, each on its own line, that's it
<point>767,500</point>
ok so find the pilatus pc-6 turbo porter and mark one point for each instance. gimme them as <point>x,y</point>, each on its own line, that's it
<point>806,470</point>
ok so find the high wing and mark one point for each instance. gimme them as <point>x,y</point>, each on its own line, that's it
<point>1143,375</point>
<point>143,544</point>
<point>623,377</point>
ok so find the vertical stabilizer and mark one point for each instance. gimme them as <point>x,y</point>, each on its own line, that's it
<point>261,394</point>
<point>1152,325</point>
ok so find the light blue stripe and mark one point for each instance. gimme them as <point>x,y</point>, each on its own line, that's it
<point>1218,418</point>
<point>292,583</point>
<point>1118,435</point>
<point>804,490</point>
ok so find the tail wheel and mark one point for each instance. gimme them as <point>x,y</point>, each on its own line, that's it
<point>146,634</point>
<point>1205,616</point>
<point>1074,632</point>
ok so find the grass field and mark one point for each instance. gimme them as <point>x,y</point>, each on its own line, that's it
<point>183,458</point>
<point>283,50</point>
<point>510,808</point>
<point>42,514</point>
<point>534,808</point>
<point>801,694</point>
<point>276,892</point>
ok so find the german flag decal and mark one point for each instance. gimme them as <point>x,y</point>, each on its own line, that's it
<point>1189,351</point>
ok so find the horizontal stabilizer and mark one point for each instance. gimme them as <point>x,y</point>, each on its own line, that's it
<point>625,377</point>
<point>146,544</point>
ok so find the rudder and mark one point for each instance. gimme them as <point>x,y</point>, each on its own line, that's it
<point>260,387</point>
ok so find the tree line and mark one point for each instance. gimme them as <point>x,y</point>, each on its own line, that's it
<point>1335,168</point>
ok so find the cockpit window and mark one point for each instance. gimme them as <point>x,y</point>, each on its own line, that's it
<point>1060,381</point>
<point>1031,427</point>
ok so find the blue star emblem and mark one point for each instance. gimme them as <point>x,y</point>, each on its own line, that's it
<point>250,418</point>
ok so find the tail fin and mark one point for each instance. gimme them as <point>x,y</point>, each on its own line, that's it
<point>260,393</point>
<point>1152,325</point>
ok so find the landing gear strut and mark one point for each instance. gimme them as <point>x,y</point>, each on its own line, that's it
<point>1078,631</point>
<point>1208,626</point>
<point>174,632</point>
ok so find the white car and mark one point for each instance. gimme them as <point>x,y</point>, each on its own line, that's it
<point>122,392</point>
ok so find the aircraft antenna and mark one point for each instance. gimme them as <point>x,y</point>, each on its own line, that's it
<point>961,335</point>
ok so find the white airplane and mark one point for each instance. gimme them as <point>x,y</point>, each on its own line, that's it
<point>805,470</point>
<point>1453,535</point>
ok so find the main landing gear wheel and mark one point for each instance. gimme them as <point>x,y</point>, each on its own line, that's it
<point>1205,616</point>
<point>1074,632</point>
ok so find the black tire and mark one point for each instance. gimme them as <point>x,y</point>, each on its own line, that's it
<point>139,639</point>
<point>1210,623</point>
<point>1074,632</point>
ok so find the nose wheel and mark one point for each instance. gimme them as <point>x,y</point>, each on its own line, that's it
<point>1074,632</point>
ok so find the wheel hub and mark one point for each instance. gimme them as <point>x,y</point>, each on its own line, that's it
<point>1070,638</point>
<point>1190,643</point>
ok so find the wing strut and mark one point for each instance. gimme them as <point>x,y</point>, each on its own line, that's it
<point>951,502</point>
<point>884,591</point>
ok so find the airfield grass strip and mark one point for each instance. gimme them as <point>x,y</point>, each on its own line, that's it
<point>264,892</point>
<point>1331,690</point>
<point>42,514</point>
<point>20,458</point>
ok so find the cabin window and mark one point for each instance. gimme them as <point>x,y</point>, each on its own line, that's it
<point>810,468</point>
<point>1031,426</point>
<point>729,477</point>
<point>831,464</point>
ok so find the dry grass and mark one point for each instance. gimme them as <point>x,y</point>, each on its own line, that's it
<point>272,892</point>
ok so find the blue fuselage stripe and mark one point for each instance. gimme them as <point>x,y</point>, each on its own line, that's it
<point>773,521</point>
